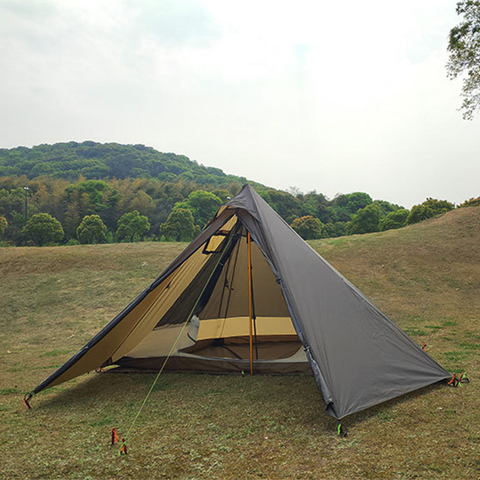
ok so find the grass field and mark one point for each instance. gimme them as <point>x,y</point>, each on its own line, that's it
<point>426,277</point>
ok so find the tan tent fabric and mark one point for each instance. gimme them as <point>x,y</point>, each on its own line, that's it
<point>163,301</point>
<point>230,297</point>
<point>159,342</point>
<point>140,321</point>
<point>240,327</point>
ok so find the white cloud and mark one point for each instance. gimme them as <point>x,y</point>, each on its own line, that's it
<point>328,96</point>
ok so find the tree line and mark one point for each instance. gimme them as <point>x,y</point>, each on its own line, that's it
<point>55,211</point>
<point>88,192</point>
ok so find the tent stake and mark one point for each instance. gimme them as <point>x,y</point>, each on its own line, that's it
<point>250,300</point>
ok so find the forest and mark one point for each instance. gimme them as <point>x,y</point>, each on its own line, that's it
<point>70,193</point>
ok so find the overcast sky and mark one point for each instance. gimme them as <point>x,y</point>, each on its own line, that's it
<point>332,96</point>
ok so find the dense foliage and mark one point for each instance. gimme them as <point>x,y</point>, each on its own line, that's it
<point>428,209</point>
<point>308,227</point>
<point>394,220</point>
<point>180,225</point>
<point>92,230</point>
<point>471,202</point>
<point>3,226</point>
<point>366,220</point>
<point>132,227</point>
<point>43,229</point>
<point>94,190</point>
<point>464,59</point>
<point>112,160</point>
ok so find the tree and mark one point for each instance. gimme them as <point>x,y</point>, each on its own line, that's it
<point>3,226</point>
<point>223,195</point>
<point>395,219</point>
<point>202,204</point>
<point>308,227</point>
<point>180,226</point>
<point>16,224</point>
<point>365,220</point>
<point>439,206</point>
<point>294,191</point>
<point>464,59</point>
<point>71,219</point>
<point>419,213</point>
<point>42,228</point>
<point>387,207</point>
<point>92,230</point>
<point>96,190</point>
<point>286,205</point>
<point>329,231</point>
<point>357,201</point>
<point>143,203</point>
<point>132,226</point>
<point>428,209</point>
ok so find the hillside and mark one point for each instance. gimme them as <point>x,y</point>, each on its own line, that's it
<point>69,181</point>
<point>110,160</point>
<point>54,299</point>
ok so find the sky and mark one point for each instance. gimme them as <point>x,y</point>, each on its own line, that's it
<point>335,97</point>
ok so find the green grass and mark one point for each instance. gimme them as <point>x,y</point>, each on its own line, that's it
<point>425,277</point>
<point>54,353</point>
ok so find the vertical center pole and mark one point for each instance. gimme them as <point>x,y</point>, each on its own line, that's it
<point>250,302</point>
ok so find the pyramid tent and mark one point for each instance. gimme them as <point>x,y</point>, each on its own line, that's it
<point>248,292</point>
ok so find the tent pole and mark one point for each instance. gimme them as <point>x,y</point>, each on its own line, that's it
<point>250,299</point>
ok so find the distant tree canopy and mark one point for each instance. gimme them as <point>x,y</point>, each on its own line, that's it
<point>202,204</point>
<point>42,228</point>
<point>79,180</point>
<point>365,220</point>
<point>428,209</point>
<point>464,59</point>
<point>286,205</point>
<point>471,202</point>
<point>308,227</point>
<point>111,160</point>
<point>354,201</point>
<point>92,230</point>
<point>396,219</point>
<point>132,227</point>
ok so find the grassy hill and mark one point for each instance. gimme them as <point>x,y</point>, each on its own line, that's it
<point>426,277</point>
<point>68,160</point>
